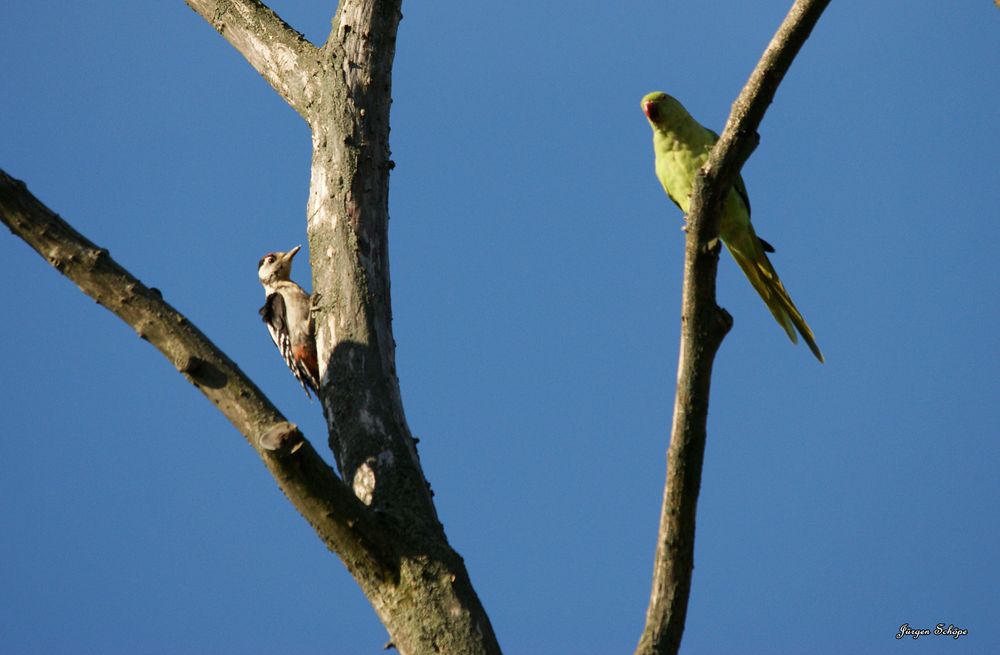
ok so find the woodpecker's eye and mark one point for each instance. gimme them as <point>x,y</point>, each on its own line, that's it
<point>269,259</point>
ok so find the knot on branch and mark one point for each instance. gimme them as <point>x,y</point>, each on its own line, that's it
<point>281,439</point>
<point>722,322</point>
<point>96,255</point>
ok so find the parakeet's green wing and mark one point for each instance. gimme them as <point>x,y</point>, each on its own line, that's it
<point>741,190</point>
<point>740,187</point>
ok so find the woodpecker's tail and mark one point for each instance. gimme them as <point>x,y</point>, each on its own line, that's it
<point>749,253</point>
<point>304,367</point>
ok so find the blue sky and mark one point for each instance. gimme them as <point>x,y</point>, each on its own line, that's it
<point>536,285</point>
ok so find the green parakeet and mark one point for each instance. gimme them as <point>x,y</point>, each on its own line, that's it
<point>681,146</point>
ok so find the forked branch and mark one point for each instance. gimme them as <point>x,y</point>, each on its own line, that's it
<point>703,326</point>
<point>343,90</point>
<point>282,56</point>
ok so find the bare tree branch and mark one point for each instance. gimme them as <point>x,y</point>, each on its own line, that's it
<point>428,604</point>
<point>340,519</point>
<point>284,57</point>
<point>434,608</point>
<point>703,326</point>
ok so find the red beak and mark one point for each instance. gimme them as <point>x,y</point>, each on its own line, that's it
<point>650,110</point>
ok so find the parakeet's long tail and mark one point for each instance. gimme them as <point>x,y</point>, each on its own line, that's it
<point>748,252</point>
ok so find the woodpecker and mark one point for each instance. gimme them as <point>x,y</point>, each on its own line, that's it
<point>287,313</point>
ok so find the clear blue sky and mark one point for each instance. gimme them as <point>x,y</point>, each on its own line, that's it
<point>536,284</point>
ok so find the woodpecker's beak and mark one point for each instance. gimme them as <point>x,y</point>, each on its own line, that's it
<point>291,253</point>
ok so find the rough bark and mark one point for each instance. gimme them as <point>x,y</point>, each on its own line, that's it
<point>282,56</point>
<point>340,519</point>
<point>343,91</point>
<point>703,326</point>
<point>378,516</point>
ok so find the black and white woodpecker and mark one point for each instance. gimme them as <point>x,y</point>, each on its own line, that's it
<point>287,313</point>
